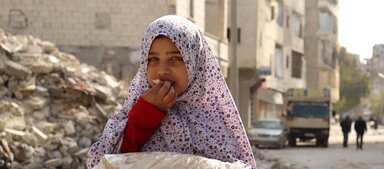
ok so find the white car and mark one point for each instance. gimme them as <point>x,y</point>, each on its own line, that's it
<point>268,132</point>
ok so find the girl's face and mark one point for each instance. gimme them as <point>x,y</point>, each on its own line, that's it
<point>166,63</point>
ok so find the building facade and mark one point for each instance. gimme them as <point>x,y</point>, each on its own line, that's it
<point>108,34</point>
<point>321,45</point>
<point>270,54</point>
<point>377,60</point>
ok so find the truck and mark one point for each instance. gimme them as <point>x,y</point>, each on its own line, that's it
<point>308,115</point>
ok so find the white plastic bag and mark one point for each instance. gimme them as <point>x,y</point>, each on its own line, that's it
<point>163,160</point>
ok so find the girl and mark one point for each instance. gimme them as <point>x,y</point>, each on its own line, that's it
<point>190,110</point>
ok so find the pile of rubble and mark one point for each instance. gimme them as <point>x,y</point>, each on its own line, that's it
<point>52,107</point>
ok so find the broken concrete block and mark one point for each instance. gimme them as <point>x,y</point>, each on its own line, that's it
<point>39,133</point>
<point>102,92</point>
<point>41,89</point>
<point>30,139</point>
<point>15,132</point>
<point>3,58</point>
<point>67,163</point>
<point>2,124</point>
<point>56,154</point>
<point>16,70</point>
<point>34,163</point>
<point>22,152</point>
<point>7,150</point>
<point>48,47</point>
<point>82,152</point>
<point>11,44</point>
<point>1,80</point>
<point>37,63</point>
<point>70,144</point>
<point>36,102</point>
<point>28,84</point>
<point>69,128</point>
<point>50,147</point>
<point>85,142</point>
<point>34,49</point>
<point>46,127</point>
<point>53,163</point>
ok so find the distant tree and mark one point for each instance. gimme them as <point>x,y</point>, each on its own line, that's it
<point>376,101</point>
<point>354,82</point>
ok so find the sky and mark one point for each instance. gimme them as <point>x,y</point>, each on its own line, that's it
<point>361,25</point>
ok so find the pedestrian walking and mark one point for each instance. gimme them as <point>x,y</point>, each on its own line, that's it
<point>373,124</point>
<point>346,124</point>
<point>360,128</point>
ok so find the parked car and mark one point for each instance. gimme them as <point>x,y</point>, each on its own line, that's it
<point>268,132</point>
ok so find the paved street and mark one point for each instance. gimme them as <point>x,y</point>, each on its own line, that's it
<point>334,157</point>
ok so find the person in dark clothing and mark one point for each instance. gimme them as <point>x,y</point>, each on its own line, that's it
<point>360,128</point>
<point>346,124</point>
<point>373,124</point>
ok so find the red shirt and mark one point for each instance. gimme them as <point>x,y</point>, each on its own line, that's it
<point>143,120</point>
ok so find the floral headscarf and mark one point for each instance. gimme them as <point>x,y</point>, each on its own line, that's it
<point>204,120</point>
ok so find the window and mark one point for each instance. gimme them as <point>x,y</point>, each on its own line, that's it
<point>313,111</point>
<point>327,22</point>
<point>17,19</point>
<point>297,25</point>
<point>238,34</point>
<point>296,64</point>
<point>272,12</point>
<point>279,66</point>
<point>280,14</point>
<point>287,21</point>
<point>287,62</point>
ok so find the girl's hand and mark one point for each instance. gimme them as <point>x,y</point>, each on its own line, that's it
<point>162,96</point>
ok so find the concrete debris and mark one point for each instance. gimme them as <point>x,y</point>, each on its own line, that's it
<point>267,161</point>
<point>52,106</point>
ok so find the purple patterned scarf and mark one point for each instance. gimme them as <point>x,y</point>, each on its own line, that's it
<point>204,120</point>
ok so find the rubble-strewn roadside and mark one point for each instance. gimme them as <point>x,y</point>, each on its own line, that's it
<point>267,161</point>
<point>52,107</point>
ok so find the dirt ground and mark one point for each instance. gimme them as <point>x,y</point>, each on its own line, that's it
<point>307,156</point>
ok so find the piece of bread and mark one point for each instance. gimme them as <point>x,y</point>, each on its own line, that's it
<point>156,81</point>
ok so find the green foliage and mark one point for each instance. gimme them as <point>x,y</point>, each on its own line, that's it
<point>376,101</point>
<point>354,82</point>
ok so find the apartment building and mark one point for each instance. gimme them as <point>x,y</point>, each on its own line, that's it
<point>321,45</point>
<point>107,34</point>
<point>377,61</point>
<point>270,54</point>
<point>375,66</point>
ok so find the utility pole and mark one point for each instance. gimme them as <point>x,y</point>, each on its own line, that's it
<point>233,68</point>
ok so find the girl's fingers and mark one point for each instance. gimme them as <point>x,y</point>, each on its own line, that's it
<point>169,96</point>
<point>151,94</point>
<point>173,100</point>
<point>164,89</point>
<point>157,87</point>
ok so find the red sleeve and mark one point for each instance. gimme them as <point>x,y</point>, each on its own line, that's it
<point>143,120</point>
